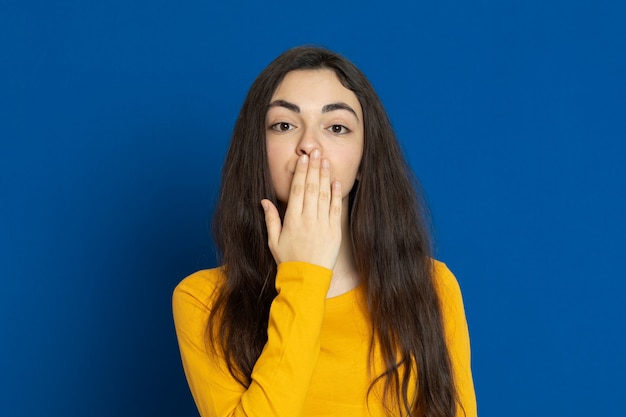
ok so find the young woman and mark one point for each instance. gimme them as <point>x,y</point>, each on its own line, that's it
<point>328,302</point>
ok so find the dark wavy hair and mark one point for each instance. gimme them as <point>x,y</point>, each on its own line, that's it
<point>392,249</point>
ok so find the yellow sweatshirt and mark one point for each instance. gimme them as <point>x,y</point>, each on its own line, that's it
<point>316,360</point>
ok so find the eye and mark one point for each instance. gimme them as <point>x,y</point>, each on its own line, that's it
<point>282,127</point>
<point>339,129</point>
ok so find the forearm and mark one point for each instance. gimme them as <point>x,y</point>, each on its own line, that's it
<point>282,374</point>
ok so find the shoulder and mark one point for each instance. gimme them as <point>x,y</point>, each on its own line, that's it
<point>447,287</point>
<point>192,302</point>
<point>457,334</point>
<point>199,288</point>
<point>443,277</point>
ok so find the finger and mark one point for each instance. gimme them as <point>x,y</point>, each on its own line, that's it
<point>336,204</point>
<point>323,201</point>
<point>312,187</point>
<point>296,194</point>
<point>272,223</point>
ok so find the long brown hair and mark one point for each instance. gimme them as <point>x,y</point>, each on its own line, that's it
<point>390,237</point>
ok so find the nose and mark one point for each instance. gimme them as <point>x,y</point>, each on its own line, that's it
<point>308,142</point>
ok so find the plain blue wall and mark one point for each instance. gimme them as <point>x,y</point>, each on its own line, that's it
<point>114,120</point>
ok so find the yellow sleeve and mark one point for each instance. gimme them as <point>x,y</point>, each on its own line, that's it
<point>457,337</point>
<point>281,376</point>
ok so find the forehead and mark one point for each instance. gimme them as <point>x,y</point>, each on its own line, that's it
<point>316,87</point>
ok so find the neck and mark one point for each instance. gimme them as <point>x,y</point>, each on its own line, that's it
<point>345,275</point>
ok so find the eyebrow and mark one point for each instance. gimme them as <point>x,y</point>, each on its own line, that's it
<point>327,108</point>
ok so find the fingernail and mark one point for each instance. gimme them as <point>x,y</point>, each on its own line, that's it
<point>264,204</point>
<point>304,159</point>
<point>315,154</point>
<point>325,163</point>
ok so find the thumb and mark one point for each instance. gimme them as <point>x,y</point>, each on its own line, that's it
<point>272,223</point>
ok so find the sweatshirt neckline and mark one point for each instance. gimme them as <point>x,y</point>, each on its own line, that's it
<point>346,298</point>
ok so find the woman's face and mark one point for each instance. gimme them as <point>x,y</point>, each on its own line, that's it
<point>311,110</point>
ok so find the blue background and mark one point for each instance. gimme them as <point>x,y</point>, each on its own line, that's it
<point>115,118</point>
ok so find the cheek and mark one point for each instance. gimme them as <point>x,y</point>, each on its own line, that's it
<point>276,158</point>
<point>347,171</point>
<point>354,163</point>
<point>280,177</point>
